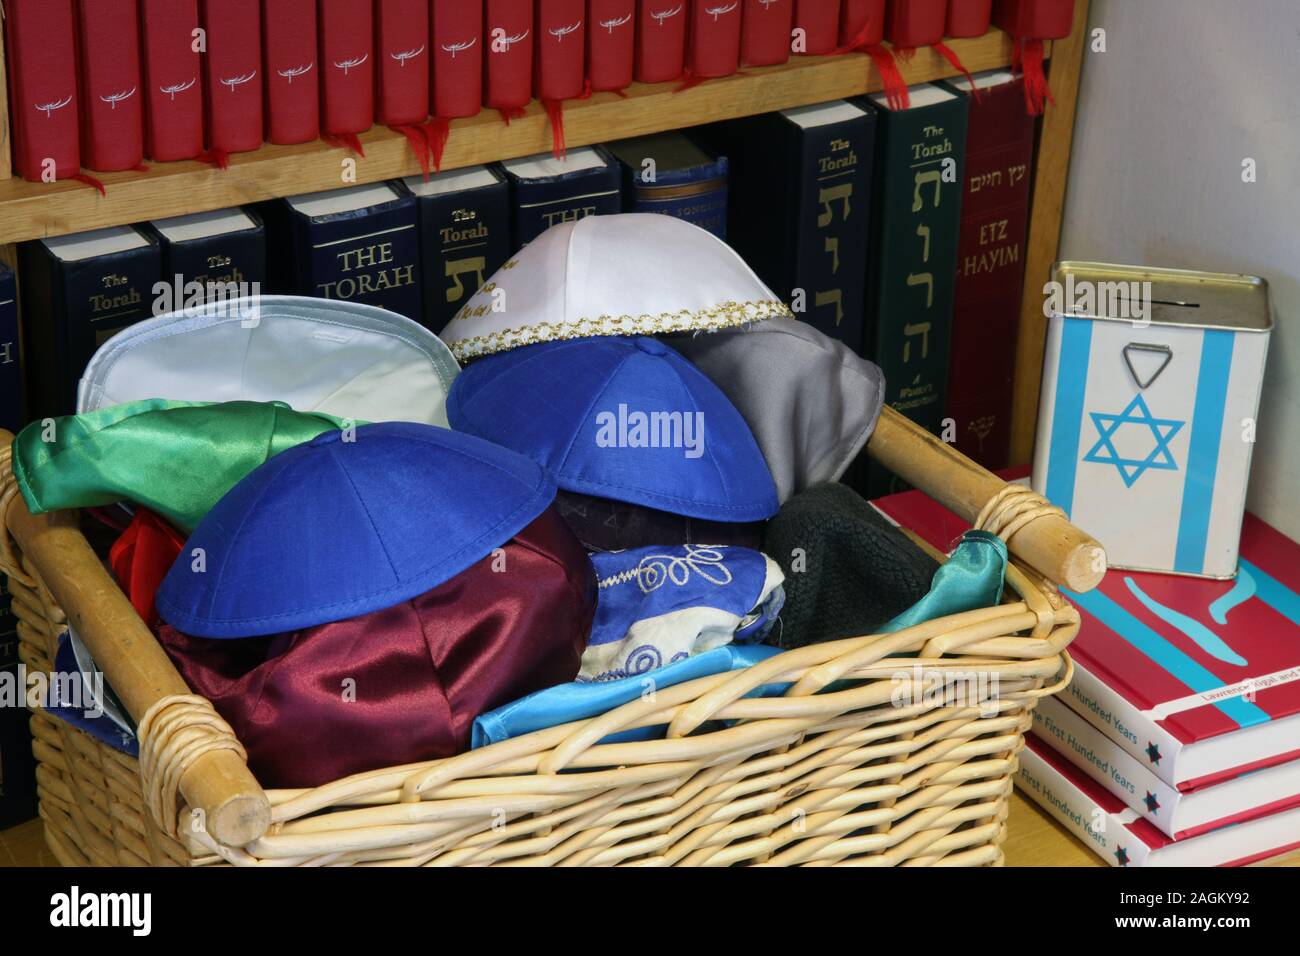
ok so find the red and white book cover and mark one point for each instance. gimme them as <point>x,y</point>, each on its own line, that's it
<point>713,45</point>
<point>765,29</point>
<point>915,23</point>
<point>1121,837</point>
<point>112,110</point>
<point>862,23</point>
<point>173,79</point>
<point>232,74</point>
<point>40,47</point>
<point>457,33</point>
<point>402,70</point>
<point>1198,679</point>
<point>611,43</point>
<point>508,28</point>
<point>820,22</point>
<point>968,18</point>
<point>292,74</point>
<point>347,66</point>
<point>660,40</point>
<point>559,67</point>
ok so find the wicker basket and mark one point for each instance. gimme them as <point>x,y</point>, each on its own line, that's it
<point>880,769</point>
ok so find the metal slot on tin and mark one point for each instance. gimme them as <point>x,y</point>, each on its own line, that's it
<point>1164,350</point>
<point>1181,305</point>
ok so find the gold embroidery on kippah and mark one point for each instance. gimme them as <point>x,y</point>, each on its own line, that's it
<point>725,315</point>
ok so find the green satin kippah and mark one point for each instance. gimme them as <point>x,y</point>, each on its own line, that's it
<point>176,458</point>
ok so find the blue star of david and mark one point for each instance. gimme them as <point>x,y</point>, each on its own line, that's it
<point>1136,414</point>
<point>1153,805</point>
<point>1153,752</point>
<point>1121,855</point>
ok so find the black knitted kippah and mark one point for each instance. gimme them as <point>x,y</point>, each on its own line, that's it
<point>847,569</point>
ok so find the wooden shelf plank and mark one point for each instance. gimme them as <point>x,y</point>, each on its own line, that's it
<point>37,210</point>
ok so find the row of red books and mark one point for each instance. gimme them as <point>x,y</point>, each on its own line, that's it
<point>107,83</point>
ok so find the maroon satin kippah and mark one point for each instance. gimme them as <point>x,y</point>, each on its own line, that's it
<point>405,683</point>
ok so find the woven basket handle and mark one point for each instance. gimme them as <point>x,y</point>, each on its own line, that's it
<point>185,747</point>
<point>1036,532</point>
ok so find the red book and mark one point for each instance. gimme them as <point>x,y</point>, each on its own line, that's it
<point>232,76</point>
<point>915,23</point>
<point>41,48</point>
<point>290,51</point>
<point>713,46</point>
<point>862,22</point>
<point>402,49</point>
<point>990,267</point>
<point>112,113</point>
<point>611,43</point>
<point>1035,19</point>
<point>457,34</point>
<point>561,49</point>
<point>820,22</point>
<point>508,28</point>
<point>968,18</point>
<point>765,32</point>
<point>173,79</point>
<point>347,66</point>
<point>660,40</point>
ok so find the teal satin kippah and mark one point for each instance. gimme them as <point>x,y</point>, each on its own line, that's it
<point>176,458</point>
<point>971,578</point>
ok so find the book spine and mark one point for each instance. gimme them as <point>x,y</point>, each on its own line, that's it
<point>235,261</point>
<point>402,51</point>
<point>1040,19</point>
<point>968,18</point>
<point>698,195</point>
<point>291,71</point>
<point>347,64</point>
<point>765,32</point>
<point>862,22</point>
<point>112,116</point>
<point>559,68</point>
<point>233,74</point>
<point>456,31</point>
<point>833,226</point>
<point>542,203</point>
<point>919,157</point>
<point>173,79</point>
<point>611,43</point>
<point>371,257</point>
<point>990,271</point>
<point>713,48</point>
<point>40,44</point>
<point>820,23</point>
<point>1101,831</point>
<point>11,380</point>
<point>465,238</point>
<point>1123,723</point>
<point>915,23</point>
<point>509,34</point>
<point>660,40</point>
<point>1107,763</point>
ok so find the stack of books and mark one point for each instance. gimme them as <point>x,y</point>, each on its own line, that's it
<point>1177,743</point>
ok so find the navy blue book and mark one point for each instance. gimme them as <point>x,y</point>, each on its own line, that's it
<point>671,174</point>
<point>17,766</point>
<point>547,191</point>
<point>11,377</point>
<point>78,291</point>
<point>360,244</point>
<point>464,217</point>
<point>211,255</point>
<point>800,207</point>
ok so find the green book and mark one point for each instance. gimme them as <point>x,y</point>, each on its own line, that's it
<point>920,151</point>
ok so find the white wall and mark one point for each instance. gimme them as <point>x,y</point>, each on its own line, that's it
<point>1184,92</point>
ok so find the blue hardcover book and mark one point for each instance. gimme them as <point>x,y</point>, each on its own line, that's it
<point>11,377</point>
<point>78,291</point>
<point>800,209</point>
<point>219,254</point>
<point>360,244</point>
<point>547,191</point>
<point>17,766</point>
<point>671,174</point>
<point>464,217</point>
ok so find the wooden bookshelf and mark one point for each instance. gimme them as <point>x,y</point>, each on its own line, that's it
<point>39,210</point>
